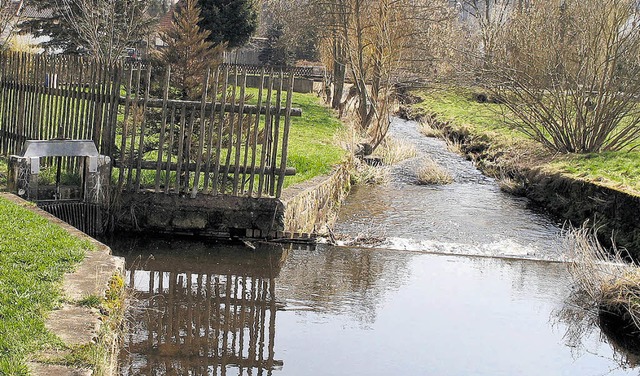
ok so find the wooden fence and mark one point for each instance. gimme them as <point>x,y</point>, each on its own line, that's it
<point>227,139</point>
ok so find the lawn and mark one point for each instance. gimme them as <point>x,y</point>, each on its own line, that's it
<point>34,255</point>
<point>617,170</point>
<point>312,147</point>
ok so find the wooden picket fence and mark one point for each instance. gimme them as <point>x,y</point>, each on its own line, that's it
<point>229,140</point>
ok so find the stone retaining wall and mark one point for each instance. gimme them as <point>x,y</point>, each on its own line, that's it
<point>204,215</point>
<point>312,205</point>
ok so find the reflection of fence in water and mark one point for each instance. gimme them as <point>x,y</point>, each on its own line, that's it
<point>202,323</point>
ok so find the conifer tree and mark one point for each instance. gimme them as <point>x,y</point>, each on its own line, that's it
<point>229,21</point>
<point>187,50</point>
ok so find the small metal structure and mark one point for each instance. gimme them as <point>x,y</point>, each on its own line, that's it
<point>78,204</point>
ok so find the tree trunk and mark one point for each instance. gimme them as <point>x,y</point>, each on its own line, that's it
<point>339,71</point>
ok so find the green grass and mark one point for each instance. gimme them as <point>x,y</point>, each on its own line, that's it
<point>312,147</point>
<point>614,169</point>
<point>34,255</point>
<point>618,169</point>
<point>457,106</point>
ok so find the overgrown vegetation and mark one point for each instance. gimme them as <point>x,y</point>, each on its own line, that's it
<point>606,282</point>
<point>34,255</point>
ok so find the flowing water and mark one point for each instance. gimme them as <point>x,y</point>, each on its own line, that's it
<point>467,282</point>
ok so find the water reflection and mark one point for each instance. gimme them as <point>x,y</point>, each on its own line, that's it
<point>207,309</point>
<point>202,310</point>
<point>583,320</point>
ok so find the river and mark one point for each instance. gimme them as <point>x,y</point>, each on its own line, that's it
<point>467,280</point>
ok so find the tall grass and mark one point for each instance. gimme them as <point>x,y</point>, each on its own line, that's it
<point>607,279</point>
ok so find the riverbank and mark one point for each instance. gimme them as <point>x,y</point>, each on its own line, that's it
<point>600,188</point>
<point>60,295</point>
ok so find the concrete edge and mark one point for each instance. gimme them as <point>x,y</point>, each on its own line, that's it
<point>76,325</point>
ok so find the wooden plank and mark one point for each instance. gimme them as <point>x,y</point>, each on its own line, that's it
<point>254,145</point>
<point>35,99</point>
<point>202,134</point>
<point>21,105</point>
<point>266,141</point>
<point>108,145</point>
<point>99,114</point>
<point>187,149</point>
<point>173,166</point>
<point>51,100</point>
<point>228,107</point>
<point>163,125</point>
<point>31,109</point>
<point>143,127</point>
<point>240,134</point>
<point>275,137</point>
<point>180,156</point>
<point>75,86</point>
<point>167,174</point>
<point>4,60</point>
<point>212,121</point>
<point>65,113</point>
<point>134,123</point>
<point>94,97</point>
<point>231,133</point>
<point>125,128</point>
<point>90,98</point>
<point>285,136</point>
<point>223,99</point>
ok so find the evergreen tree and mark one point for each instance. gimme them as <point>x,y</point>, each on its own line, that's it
<point>187,50</point>
<point>276,51</point>
<point>229,21</point>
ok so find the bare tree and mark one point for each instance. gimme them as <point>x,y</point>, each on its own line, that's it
<point>375,40</point>
<point>488,18</point>
<point>107,27</point>
<point>9,16</point>
<point>569,73</point>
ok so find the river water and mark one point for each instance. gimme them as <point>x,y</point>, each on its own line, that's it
<point>466,281</point>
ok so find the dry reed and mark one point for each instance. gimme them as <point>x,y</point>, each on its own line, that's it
<point>370,175</point>
<point>609,282</point>
<point>393,150</point>
<point>430,172</point>
<point>429,130</point>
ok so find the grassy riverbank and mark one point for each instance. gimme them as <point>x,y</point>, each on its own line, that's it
<point>313,149</point>
<point>34,255</point>
<point>484,122</point>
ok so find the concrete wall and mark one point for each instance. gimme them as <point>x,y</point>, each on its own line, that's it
<point>300,85</point>
<point>206,215</point>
